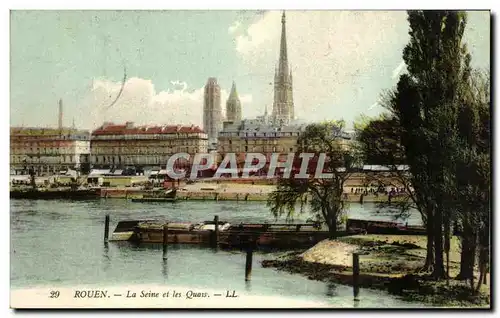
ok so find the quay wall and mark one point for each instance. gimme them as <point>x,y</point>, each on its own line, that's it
<point>218,195</point>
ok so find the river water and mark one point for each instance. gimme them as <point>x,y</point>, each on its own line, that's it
<point>60,243</point>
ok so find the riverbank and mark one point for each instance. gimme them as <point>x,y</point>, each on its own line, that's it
<point>200,191</point>
<point>227,192</point>
<point>388,262</point>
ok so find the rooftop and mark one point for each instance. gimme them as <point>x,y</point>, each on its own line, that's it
<point>252,125</point>
<point>45,131</point>
<point>129,129</point>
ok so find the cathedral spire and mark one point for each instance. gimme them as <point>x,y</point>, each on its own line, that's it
<point>233,94</point>
<point>233,105</point>
<point>283,108</point>
<point>283,61</point>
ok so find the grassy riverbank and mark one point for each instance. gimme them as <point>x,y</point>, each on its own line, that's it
<point>390,262</point>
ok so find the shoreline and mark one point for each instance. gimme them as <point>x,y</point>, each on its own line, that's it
<point>390,263</point>
<point>211,192</point>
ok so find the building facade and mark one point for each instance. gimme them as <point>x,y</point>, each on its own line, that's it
<point>212,111</point>
<point>233,106</point>
<point>254,136</point>
<point>48,151</point>
<point>121,146</point>
<point>283,107</point>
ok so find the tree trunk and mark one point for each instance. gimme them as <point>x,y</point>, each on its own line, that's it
<point>468,253</point>
<point>482,268</point>
<point>447,246</point>
<point>332,215</point>
<point>332,228</point>
<point>483,263</point>
<point>429,259</point>
<point>438,245</point>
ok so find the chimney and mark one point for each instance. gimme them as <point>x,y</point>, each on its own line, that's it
<point>60,114</point>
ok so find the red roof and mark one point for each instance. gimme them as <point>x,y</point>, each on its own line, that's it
<point>112,129</point>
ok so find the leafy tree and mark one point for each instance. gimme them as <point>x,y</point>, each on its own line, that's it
<point>427,106</point>
<point>381,142</point>
<point>473,174</point>
<point>326,193</point>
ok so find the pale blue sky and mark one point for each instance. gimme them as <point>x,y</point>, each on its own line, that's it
<point>341,61</point>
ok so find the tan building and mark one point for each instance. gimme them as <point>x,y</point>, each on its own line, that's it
<point>120,146</point>
<point>254,136</point>
<point>48,151</point>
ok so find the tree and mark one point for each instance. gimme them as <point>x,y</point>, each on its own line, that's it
<point>380,142</point>
<point>440,112</point>
<point>473,174</point>
<point>427,106</point>
<point>322,140</point>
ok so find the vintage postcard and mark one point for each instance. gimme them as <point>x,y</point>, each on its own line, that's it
<point>250,159</point>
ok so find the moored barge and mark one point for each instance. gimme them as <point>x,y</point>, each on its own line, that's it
<point>228,235</point>
<point>239,235</point>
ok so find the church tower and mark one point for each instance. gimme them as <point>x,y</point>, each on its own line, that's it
<point>212,111</point>
<point>233,106</point>
<point>283,108</point>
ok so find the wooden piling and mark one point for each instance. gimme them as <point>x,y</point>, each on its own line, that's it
<point>216,231</point>
<point>355,275</point>
<point>106,229</point>
<point>165,240</point>
<point>248,263</point>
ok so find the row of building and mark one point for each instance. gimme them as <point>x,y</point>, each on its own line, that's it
<point>48,151</point>
<point>127,148</point>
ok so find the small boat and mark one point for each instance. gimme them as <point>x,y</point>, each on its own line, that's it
<point>56,194</point>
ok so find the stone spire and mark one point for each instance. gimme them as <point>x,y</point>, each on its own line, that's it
<point>283,108</point>
<point>233,105</point>
<point>283,61</point>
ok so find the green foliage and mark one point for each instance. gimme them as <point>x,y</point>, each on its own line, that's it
<point>439,115</point>
<point>324,195</point>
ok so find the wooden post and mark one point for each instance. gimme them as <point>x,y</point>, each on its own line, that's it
<point>248,263</point>
<point>106,229</point>
<point>165,240</point>
<point>355,275</point>
<point>216,232</point>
